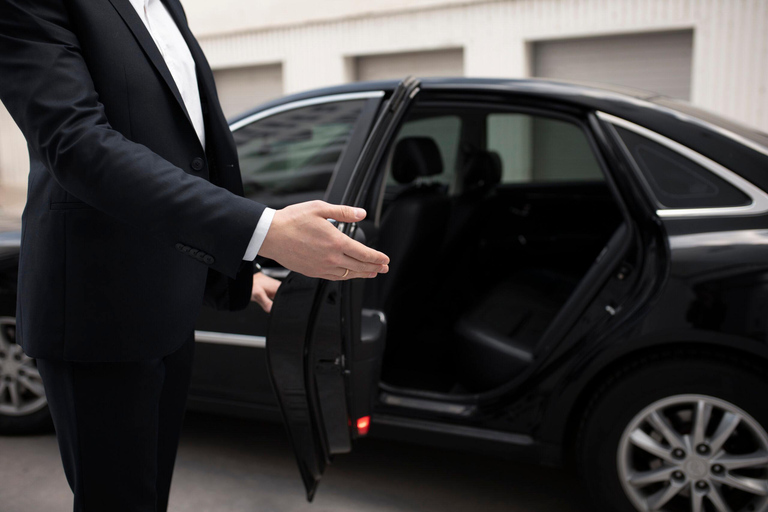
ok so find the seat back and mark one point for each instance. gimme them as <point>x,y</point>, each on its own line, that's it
<point>412,228</point>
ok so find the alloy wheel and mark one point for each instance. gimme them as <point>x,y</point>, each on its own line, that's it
<point>694,453</point>
<point>21,388</point>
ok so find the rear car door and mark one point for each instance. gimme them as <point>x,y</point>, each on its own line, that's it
<point>323,351</point>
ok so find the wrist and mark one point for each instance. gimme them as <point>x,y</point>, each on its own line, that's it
<point>268,248</point>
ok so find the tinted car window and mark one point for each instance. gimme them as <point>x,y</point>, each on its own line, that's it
<point>539,149</point>
<point>445,130</point>
<point>676,181</point>
<point>290,157</point>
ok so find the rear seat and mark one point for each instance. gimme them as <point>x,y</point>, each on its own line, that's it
<point>496,339</point>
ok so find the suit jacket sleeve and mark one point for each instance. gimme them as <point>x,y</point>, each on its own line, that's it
<point>46,86</point>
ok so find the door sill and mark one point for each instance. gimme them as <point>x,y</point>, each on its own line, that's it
<point>424,404</point>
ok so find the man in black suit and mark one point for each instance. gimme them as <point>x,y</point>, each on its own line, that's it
<point>134,218</point>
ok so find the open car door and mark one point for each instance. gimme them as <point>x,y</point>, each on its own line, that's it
<point>323,351</point>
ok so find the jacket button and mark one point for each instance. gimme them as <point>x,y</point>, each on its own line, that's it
<point>208,259</point>
<point>197,163</point>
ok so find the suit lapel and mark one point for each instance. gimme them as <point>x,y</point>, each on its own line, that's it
<point>140,32</point>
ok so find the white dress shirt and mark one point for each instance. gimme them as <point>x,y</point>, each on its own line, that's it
<point>180,63</point>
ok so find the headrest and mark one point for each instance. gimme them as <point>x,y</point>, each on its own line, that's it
<point>416,157</point>
<point>482,170</point>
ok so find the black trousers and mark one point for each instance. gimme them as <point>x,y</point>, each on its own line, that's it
<point>118,427</point>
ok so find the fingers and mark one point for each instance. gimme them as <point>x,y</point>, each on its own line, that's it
<point>341,213</point>
<point>270,288</point>
<point>260,298</point>
<point>362,267</point>
<point>268,284</point>
<point>360,252</point>
<point>264,290</point>
<point>351,275</point>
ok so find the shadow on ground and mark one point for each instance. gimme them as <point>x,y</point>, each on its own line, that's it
<point>235,465</point>
<point>232,465</point>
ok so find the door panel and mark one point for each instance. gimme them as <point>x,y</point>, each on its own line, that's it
<point>288,157</point>
<point>323,369</point>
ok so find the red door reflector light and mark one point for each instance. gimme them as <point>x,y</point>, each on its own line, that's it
<point>363,424</point>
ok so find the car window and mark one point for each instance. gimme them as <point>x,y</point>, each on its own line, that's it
<point>676,181</point>
<point>539,149</point>
<point>290,157</point>
<point>445,130</point>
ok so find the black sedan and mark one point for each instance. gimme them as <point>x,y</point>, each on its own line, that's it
<point>579,276</point>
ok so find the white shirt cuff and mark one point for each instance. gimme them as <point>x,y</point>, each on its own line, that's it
<point>259,234</point>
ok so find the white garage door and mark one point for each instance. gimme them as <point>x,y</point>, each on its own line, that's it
<point>658,62</point>
<point>243,88</point>
<point>399,65</point>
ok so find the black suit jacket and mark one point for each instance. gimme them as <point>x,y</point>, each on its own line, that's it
<point>129,222</point>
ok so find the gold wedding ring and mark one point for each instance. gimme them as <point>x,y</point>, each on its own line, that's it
<point>345,274</point>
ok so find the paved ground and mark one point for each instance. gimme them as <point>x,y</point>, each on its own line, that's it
<point>228,465</point>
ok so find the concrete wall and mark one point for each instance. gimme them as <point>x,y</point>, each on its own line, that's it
<point>730,55</point>
<point>315,42</point>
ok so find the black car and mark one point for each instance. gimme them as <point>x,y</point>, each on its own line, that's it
<point>578,275</point>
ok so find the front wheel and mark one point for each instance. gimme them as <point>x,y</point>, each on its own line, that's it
<point>682,434</point>
<point>23,406</point>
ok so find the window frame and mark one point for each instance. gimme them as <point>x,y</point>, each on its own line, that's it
<point>758,198</point>
<point>453,102</point>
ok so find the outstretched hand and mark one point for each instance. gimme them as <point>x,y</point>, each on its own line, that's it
<point>301,239</point>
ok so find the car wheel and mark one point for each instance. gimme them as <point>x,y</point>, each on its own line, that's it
<point>23,407</point>
<point>678,434</point>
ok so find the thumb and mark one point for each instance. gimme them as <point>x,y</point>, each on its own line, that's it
<point>343,213</point>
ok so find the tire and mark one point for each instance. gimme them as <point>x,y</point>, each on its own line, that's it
<point>23,407</point>
<point>36,423</point>
<point>640,402</point>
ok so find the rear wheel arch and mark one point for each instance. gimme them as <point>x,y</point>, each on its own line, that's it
<point>639,358</point>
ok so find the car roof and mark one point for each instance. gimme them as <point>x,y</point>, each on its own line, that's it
<point>732,145</point>
<point>558,88</point>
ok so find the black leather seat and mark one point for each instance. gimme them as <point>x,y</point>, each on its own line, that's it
<point>481,173</point>
<point>411,233</point>
<point>497,338</point>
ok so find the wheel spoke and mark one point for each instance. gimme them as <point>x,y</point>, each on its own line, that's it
<point>13,389</point>
<point>32,371</point>
<point>663,427</point>
<point>662,496</point>
<point>697,501</point>
<point>758,458</point>
<point>650,445</point>
<point>716,497</point>
<point>35,387</point>
<point>743,483</point>
<point>643,478</point>
<point>701,420</point>
<point>727,425</point>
